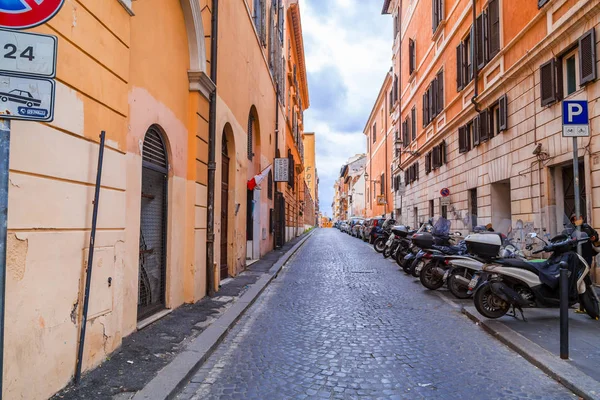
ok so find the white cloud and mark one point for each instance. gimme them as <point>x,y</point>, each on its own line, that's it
<point>354,39</point>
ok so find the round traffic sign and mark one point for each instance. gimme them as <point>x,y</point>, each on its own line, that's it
<point>23,14</point>
<point>445,192</point>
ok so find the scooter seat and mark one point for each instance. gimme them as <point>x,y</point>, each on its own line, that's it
<point>517,263</point>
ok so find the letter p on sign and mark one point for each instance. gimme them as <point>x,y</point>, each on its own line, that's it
<point>575,118</point>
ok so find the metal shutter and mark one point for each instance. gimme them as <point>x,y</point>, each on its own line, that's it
<point>548,82</point>
<point>587,57</point>
<point>440,92</point>
<point>503,111</point>
<point>459,67</point>
<point>476,131</point>
<point>494,24</point>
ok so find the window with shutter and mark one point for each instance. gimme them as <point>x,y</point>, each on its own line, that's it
<point>270,185</point>
<point>424,111</point>
<point>250,127</point>
<point>587,57</point>
<point>417,170</point>
<point>440,92</point>
<point>413,114</point>
<point>431,106</point>
<point>434,15</point>
<point>427,163</point>
<point>433,102</point>
<point>484,126</point>
<point>444,160</point>
<point>476,131</point>
<point>468,132</point>
<point>494,28</point>
<point>408,130</point>
<point>503,113</point>
<point>374,132</point>
<point>468,58</point>
<point>459,67</point>
<point>407,176</point>
<point>405,135</point>
<point>382,184</point>
<point>548,82</point>
<point>462,147</point>
<point>412,64</point>
<point>291,169</point>
<point>479,42</point>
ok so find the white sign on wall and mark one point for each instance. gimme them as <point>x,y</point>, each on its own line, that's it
<point>282,169</point>
<point>27,53</point>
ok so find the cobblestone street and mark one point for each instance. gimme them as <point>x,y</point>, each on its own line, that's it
<point>341,322</point>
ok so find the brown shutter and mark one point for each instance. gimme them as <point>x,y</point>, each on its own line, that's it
<point>440,93</point>
<point>434,101</point>
<point>427,163</point>
<point>408,123</point>
<point>459,67</point>
<point>484,125</point>
<point>462,146</point>
<point>587,57</point>
<point>434,15</point>
<point>263,22</point>
<point>479,43</point>
<point>548,82</point>
<point>417,170</point>
<point>406,177</point>
<point>494,21</point>
<point>413,114</point>
<point>503,111</point>
<point>486,36</point>
<point>424,113</point>
<point>476,131</point>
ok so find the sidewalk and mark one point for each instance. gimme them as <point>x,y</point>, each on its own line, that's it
<point>147,354</point>
<point>538,341</point>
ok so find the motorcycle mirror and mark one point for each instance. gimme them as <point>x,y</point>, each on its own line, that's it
<point>532,235</point>
<point>457,234</point>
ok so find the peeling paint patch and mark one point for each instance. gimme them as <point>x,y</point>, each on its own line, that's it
<point>16,256</point>
<point>74,312</point>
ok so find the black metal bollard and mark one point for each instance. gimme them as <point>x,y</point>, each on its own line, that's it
<point>564,313</point>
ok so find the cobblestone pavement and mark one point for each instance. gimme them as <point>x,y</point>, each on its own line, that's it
<point>342,322</point>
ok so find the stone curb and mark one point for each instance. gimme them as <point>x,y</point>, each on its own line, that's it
<point>560,370</point>
<point>167,383</point>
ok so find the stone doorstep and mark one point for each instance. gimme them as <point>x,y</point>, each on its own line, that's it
<point>566,374</point>
<point>169,381</point>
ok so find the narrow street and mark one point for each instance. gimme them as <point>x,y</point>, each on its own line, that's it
<point>341,322</point>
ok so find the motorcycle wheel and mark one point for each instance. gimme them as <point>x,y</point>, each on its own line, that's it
<point>379,244</point>
<point>488,304</point>
<point>428,277</point>
<point>460,292</point>
<point>406,266</point>
<point>387,252</point>
<point>416,268</point>
<point>399,257</point>
<point>589,302</point>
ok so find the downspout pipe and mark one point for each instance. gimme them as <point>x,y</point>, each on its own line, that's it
<point>212,166</point>
<point>475,71</point>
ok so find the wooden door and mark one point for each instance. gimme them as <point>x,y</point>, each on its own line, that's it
<point>224,215</point>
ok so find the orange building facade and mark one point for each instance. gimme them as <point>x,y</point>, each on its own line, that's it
<point>142,72</point>
<point>480,110</point>
<point>380,150</point>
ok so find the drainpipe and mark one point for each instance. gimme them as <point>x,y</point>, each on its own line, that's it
<point>210,234</point>
<point>475,71</point>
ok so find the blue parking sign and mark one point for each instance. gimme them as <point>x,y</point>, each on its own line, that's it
<point>575,118</point>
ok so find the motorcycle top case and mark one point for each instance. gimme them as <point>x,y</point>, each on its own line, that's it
<point>423,240</point>
<point>400,231</point>
<point>486,245</point>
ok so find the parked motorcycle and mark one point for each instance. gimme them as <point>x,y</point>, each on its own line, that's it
<point>512,282</point>
<point>380,243</point>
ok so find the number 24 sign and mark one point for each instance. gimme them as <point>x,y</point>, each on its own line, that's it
<point>25,53</point>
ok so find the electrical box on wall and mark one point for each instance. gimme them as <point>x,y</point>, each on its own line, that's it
<point>101,288</point>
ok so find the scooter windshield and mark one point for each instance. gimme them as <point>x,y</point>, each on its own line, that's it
<point>441,227</point>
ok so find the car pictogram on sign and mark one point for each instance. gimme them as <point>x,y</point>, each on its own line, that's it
<point>23,14</point>
<point>21,97</point>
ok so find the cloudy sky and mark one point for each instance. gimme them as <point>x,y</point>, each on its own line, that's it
<point>348,47</point>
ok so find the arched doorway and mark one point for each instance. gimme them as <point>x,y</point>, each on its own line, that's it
<point>153,225</point>
<point>253,216</point>
<point>224,205</point>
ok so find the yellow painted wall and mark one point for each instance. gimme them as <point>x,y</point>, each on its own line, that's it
<point>120,74</point>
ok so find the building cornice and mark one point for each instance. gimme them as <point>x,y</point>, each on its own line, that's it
<point>386,7</point>
<point>200,82</point>
<point>299,47</point>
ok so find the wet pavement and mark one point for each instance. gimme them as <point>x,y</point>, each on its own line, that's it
<point>341,322</point>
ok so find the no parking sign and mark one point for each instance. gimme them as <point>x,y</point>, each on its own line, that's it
<point>23,14</point>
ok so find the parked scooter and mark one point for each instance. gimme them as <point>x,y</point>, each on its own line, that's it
<point>380,243</point>
<point>512,282</point>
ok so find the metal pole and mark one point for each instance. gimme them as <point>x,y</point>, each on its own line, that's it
<point>576,188</point>
<point>564,313</point>
<point>4,159</point>
<point>88,277</point>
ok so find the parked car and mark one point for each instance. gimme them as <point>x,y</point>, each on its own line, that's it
<point>374,229</point>
<point>344,226</point>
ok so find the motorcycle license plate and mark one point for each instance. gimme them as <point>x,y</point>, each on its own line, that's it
<point>473,283</point>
